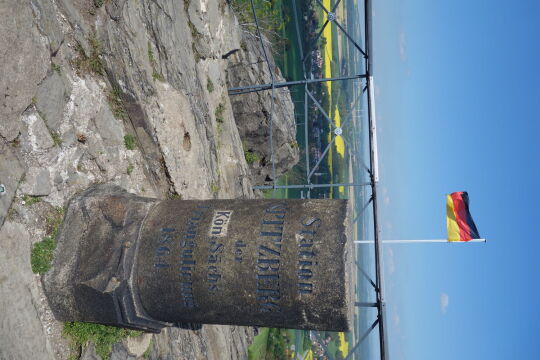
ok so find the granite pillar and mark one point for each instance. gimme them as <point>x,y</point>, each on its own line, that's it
<point>146,263</point>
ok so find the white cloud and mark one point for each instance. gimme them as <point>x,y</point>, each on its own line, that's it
<point>402,47</point>
<point>445,300</point>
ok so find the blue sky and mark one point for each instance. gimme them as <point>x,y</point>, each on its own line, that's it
<point>458,98</point>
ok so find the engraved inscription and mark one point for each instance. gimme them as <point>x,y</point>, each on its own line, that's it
<point>306,254</point>
<point>238,250</point>
<point>220,223</point>
<point>269,258</point>
<point>163,250</point>
<point>218,229</point>
<point>214,261</point>
<point>186,262</point>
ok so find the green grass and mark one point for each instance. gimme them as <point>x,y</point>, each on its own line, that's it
<point>257,350</point>
<point>151,56</point>
<point>271,18</point>
<point>157,76</point>
<point>42,255</point>
<point>54,219</point>
<point>214,188</point>
<point>103,336</point>
<point>270,344</point>
<point>332,348</point>
<point>129,169</point>
<point>90,63</point>
<point>129,142</point>
<point>276,343</point>
<point>114,98</point>
<point>57,140</point>
<point>147,352</point>
<point>30,200</point>
<point>251,157</point>
<point>219,113</point>
<point>42,252</point>
<point>209,85</point>
<point>57,68</point>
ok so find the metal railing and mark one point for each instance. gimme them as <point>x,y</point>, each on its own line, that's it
<point>365,89</point>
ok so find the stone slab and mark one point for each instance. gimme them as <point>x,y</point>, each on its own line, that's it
<point>11,172</point>
<point>146,263</point>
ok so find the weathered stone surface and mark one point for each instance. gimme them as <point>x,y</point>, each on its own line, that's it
<point>138,345</point>
<point>23,336</point>
<point>89,352</point>
<point>45,13</point>
<point>11,172</point>
<point>120,352</point>
<point>246,262</point>
<point>176,126</point>
<point>50,100</point>
<point>80,279</point>
<point>37,182</point>
<point>109,127</point>
<point>35,134</point>
<point>215,342</point>
<point>23,63</point>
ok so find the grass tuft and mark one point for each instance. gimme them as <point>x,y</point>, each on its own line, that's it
<point>157,76</point>
<point>114,98</point>
<point>209,85</point>
<point>129,142</point>
<point>147,352</point>
<point>42,252</point>
<point>251,157</point>
<point>57,140</point>
<point>42,255</point>
<point>219,113</point>
<point>129,169</point>
<point>30,200</point>
<point>102,335</point>
<point>90,63</point>
<point>57,68</point>
<point>151,56</point>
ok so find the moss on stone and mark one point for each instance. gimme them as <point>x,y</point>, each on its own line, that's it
<point>103,336</point>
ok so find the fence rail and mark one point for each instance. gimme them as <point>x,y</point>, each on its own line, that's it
<point>364,89</point>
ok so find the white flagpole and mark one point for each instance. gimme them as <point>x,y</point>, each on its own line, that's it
<point>417,241</point>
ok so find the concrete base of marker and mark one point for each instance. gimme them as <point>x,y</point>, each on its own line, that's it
<point>143,263</point>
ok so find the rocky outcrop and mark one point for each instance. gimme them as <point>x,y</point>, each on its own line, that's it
<point>132,93</point>
<point>253,112</point>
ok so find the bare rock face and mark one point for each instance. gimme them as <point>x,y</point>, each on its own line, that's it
<point>11,171</point>
<point>24,60</point>
<point>30,343</point>
<point>132,93</point>
<point>253,112</point>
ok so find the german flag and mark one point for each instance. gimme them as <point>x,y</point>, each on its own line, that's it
<point>459,222</point>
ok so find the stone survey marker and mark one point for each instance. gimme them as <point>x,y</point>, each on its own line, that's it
<point>146,263</point>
